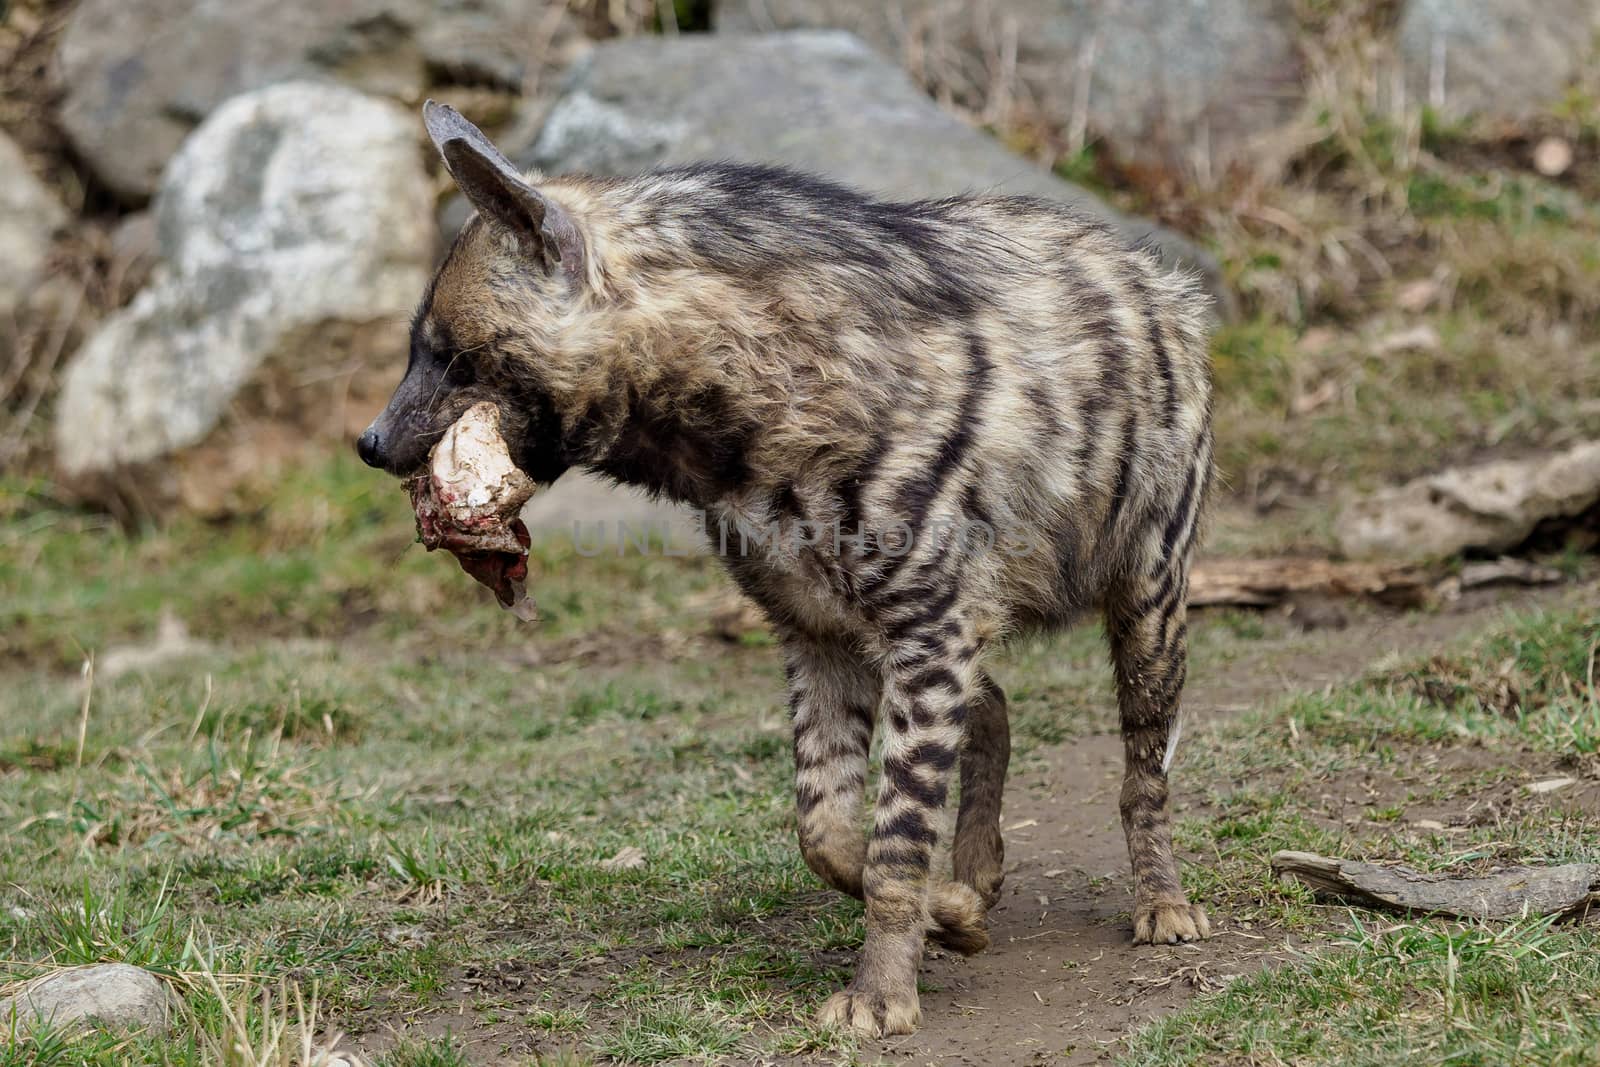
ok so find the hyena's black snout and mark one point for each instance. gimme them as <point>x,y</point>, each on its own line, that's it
<point>369,446</point>
<point>399,438</point>
<point>394,443</point>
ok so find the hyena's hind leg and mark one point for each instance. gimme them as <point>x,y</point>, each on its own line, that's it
<point>978,853</point>
<point>1147,625</point>
<point>833,696</point>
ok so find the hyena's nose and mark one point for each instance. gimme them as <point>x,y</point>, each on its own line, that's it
<point>369,446</point>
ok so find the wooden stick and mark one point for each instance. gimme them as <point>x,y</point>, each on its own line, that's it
<point>1520,892</point>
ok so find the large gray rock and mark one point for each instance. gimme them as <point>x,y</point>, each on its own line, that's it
<point>29,216</point>
<point>109,996</point>
<point>820,101</point>
<point>494,42</point>
<point>1176,84</point>
<point>1500,59</point>
<point>294,224</point>
<point>138,75</point>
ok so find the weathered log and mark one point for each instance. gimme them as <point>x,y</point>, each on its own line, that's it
<point>1570,890</point>
<point>1267,582</point>
<point>1264,582</point>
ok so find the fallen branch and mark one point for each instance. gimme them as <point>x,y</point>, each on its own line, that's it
<point>1265,583</point>
<point>1568,891</point>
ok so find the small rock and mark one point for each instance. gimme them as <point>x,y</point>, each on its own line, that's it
<point>135,249</point>
<point>29,216</point>
<point>1420,338</point>
<point>1304,403</point>
<point>172,642</point>
<point>1552,157</point>
<point>1415,297</point>
<point>110,996</point>
<point>1317,340</point>
<point>628,858</point>
<point>326,1058</point>
<point>1310,611</point>
<point>1550,785</point>
<point>407,936</point>
<point>1429,824</point>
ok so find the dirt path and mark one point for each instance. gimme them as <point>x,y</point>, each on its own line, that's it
<point>1061,975</point>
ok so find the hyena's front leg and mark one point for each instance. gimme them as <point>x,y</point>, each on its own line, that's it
<point>926,701</point>
<point>833,694</point>
<point>1149,646</point>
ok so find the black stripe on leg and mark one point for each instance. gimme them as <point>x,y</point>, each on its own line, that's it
<point>903,776</point>
<point>909,825</point>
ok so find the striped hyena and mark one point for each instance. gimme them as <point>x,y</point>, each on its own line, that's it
<point>870,386</point>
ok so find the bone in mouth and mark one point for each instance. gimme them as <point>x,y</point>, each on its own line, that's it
<point>467,501</point>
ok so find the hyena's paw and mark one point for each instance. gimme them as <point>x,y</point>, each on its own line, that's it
<point>1169,922</point>
<point>873,1013</point>
<point>957,912</point>
<point>980,863</point>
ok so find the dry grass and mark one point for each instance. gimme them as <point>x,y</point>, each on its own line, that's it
<point>265,1026</point>
<point>221,790</point>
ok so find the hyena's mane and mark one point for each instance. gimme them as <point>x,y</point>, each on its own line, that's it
<point>745,319</point>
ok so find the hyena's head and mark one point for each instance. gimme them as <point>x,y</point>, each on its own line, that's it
<point>498,311</point>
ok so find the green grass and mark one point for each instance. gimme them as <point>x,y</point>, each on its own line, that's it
<point>1405,993</point>
<point>377,794</point>
<point>1531,682</point>
<point>1339,773</point>
<point>441,1052</point>
<point>402,794</point>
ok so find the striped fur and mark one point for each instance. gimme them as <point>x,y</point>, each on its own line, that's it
<point>779,351</point>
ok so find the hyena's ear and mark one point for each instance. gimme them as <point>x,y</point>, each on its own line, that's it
<point>498,191</point>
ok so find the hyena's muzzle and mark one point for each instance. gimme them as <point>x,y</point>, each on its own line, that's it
<point>399,438</point>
